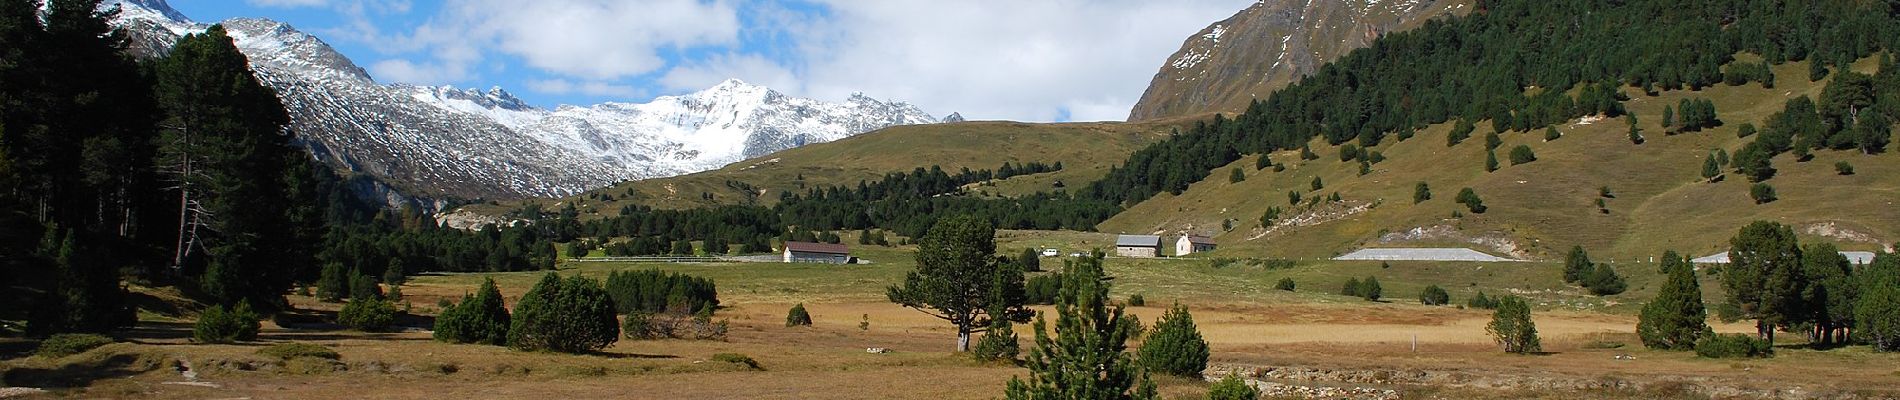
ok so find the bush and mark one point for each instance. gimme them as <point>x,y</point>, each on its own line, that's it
<point>1843,168</point>
<point>1370,289</point>
<point>334,283</point>
<point>653,291</point>
<point>1434,296</point>
<point>216,325</point>
<point>66,344</point>
<point>1135,300</point>
<point>1481,302</point>
<point>287,351</point>
<point>736,358</point>
<point>1522,154</point>
<point>674,324</point>
<point>1551,134</point>
<point>1470,199</point>
<point>1042,289</point>
<point>998,344</point>
<point>1351,288</point>
<point>367,315</point>
<point>1762,193</point>
<point>570,316</point>
<point>1421,192</point>
<point>1733,346</point>
<point>797,316</point>
<point>479,319</point>
<point>1285,284</point>
<point>364,287</point>
<point>1232,388</point>
<point>1603,281</point>
<point>1175,346</point>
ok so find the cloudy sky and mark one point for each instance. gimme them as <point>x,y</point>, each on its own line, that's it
<point>1028,60</point>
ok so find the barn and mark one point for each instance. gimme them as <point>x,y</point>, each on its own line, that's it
<point>817,253</point>
<point>1191,244</point>
<point>1144,246</point>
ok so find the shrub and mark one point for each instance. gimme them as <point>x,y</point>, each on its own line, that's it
<point>998,344</point>
<point>1522,154</point>
<point>1370,289</point>
<point>1042,289</point>
<point>674,324</point>
<point>1551,134</point>
<point>1232,388</point>
<point>394,274</point>
<point>797,316</point>
<point>364,287</point>
<point>367,315</point>
<point>1175,346</point>
<point>1421,192</point>
<point>1135,300</point>
<point>1603,281</point>
<point>570,316</point>
<point>1512,327</point>
<point>1676,317</point>
<point>287,351</point>
<point>736,358</point>
<point>653,291</point>
<point>334,283</point>
<point>1285,284</point>
<point>1434,296</point>
<point>1481,302</point>
<point>66,344</point>
<point>1470,199</point>
<point>1733,346</point>
<point>1351,288</point>
<point>216,325</point>
<point>1843,168</point>
<point>1762,193</point>
<point>479,319</point>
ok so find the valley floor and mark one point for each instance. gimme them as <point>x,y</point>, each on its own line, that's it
<point>1297,342</point>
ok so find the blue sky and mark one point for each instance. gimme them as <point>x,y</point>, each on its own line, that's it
<point>1052,60</point>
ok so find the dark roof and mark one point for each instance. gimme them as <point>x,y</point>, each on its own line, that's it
<point>1200,240</point>
<point>1138,241</point>
<point>820,248</point>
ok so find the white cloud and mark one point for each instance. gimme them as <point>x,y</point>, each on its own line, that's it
<point>566,87</point>
<point>753,69</point>
<point>988,59</point>
<point>405,71</point>
<point>287,3</point>
<point>589,39</point>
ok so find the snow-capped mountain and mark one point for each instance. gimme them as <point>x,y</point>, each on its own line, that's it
<point>439,141</point>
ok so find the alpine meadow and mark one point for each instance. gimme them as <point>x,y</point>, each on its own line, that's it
<point>1469,199</point>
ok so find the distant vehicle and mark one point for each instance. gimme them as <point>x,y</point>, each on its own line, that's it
<point>1076,255</point>
<point>1051,252</point>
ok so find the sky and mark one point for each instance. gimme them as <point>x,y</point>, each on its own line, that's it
<point>1023,60</point>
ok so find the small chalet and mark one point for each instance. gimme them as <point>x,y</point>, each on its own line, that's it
<point>1144,246</point>
<point>817,253</point>
<point>1191,244</point>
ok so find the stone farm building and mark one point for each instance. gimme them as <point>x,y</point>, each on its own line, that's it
<point>1191,244</point>
<point>1146,246</point>
<point>817,253</point>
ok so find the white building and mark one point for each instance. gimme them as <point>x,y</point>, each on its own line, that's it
<point>1191,244</point>
<point>818,253</point>
<point>1144,246</point>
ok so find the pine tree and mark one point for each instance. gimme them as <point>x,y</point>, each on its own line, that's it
<point>1470,199</point>
<point>1577,265</point>
<point>1676,318</point>
<point>1351,288</point>
<point>1829,293</point>
<point>1512,327</point>
<point>570,316</point>
<point>1604,281</point>
<point>1550,134</point>
<point>1086,356</point>
<point>1232,388</point>
<point>1236,176</point>
<point>1765,276</point>
<point>1877,312</point>
<point>1434,296</point>
<point>1317,184</point>
<point>1522,154</point>
<point>1421,192</point>
<point>334,284</point>
<point>1370,290</point>
<point>1175,346</point>
<point>1711,168</point>
<point>1492,141</point>
<point>1668,117</point>
<point>797,316</point>
<point>1490,161</point>
<point>956,271</point>
<point>394,274</point>
<point>478,319</point>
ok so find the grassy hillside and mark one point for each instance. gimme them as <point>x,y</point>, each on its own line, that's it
<point>1087,150</point>
<point>1541,208</point>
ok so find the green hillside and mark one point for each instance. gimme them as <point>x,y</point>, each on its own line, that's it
<point>1542,208</point>
<point>1087,151</point>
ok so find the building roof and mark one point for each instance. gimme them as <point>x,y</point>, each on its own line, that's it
<point>820,248</point>
<point>1421,254</point>
<point>1138,241</point>
<point>1853,257</point>
<point>1199,240</point>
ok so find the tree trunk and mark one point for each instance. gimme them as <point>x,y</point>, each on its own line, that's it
<point>963,339</point>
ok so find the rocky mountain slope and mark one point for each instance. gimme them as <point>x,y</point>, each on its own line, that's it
<point>436,142</point>
<point>1270,44</point>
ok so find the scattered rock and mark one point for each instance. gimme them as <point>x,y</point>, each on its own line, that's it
<point>10,392</point>
<point>877,350</point>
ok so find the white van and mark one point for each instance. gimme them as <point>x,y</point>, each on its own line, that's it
<point>1050,253</point>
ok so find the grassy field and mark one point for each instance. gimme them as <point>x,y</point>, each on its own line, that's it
<point>1542,208</point>
<point>1420,351</point>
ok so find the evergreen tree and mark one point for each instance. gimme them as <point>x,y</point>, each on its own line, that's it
<point>797,316</point>
<point>394,274</point>
<point>1522,154</point>
<point>1236,176</point>
<point>1711,168</point>
<point>1676,318</point>
<point>363,287</point>
<point>1550,134</point>
<point>1877,311</point>
<point>1668,117</point>
<point>570,316</point>
<point>1512,327</point>
<point>1421,192</point>
<point>1351,288</point>
<point>1317,184</point>
<point>1031,261</point>
<point>478,319</point>
<point>334,284</point>
<point>1604,281</point>
<point>1470,199</point>
<point>1492,141</point>
<point>1434,296</point>
<point>1459,132</point>
<point>86,296</point>
<point>1285,284</point>
<point>999,343</point>
<point>1370,290</point>
<point>1232,388</point>
<point>1577,265</point>
<point>956,271</point>
<point>1086,357</point>
<point>1765,276</point>
<point>1829,293</point>
<point>1490,161</point>
<point>1175,346</point>
<point>1762,193</point>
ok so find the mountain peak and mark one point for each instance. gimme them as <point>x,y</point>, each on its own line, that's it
<point>953,117</point>
<point>156,7</point>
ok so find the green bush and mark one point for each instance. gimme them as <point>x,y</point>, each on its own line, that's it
<point>1603,281</point>
<point>1434,296</point>
<point>1762,193</point>
<point>287,351</point>
<point>1135,300</point>
<point>1042,289</point>
<point>1733,346</point>
<point>1285,284</point>
<point>1370,290</point>
<point>1232,388</point>
<point>1843,168</point>
<point>66,344</point>
<point>654,291</point>
<point>1175,346</point>
<point>1511,325</point>
<point>998,344</point>
<point>797,316</point>
<point>1351,288</point>
<point>216,325</point>
<point>367,315</point>
<point>1522,154</point>
<point>574,315</point>
<point>334,283</point>
<point>479,319</point>
<point>1481,302</point>
<point>736,358</point>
